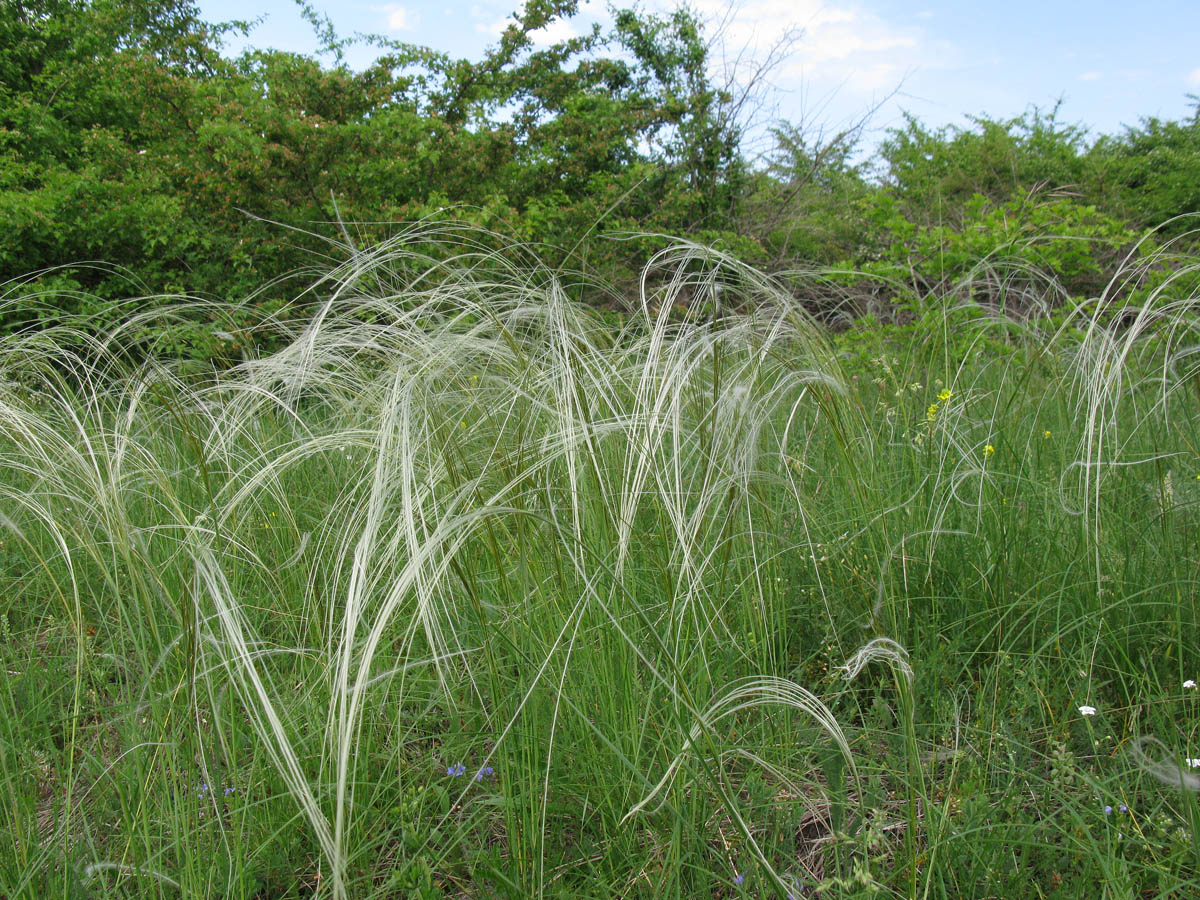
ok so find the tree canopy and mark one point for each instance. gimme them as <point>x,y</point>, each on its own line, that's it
<point>135,158</point>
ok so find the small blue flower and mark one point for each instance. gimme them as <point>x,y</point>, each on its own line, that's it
<point>1123,808</point>
<point>739,878</point>
<point>456,770</point>
<point>202,790</point>
<point>229,790</point>
<point>1108,810</point>
<point>798,887</point>
<point>485,772</point>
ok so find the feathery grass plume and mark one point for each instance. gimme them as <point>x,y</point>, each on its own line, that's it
<point>453,519</point>
<point>880,648</point>
<point>1170,771</point>
<point>262,700</point>
<point>91,870</point>
<point>752,693</point>
<point>1139,315</point>
<point>595,438</point>
<point>702,743</point>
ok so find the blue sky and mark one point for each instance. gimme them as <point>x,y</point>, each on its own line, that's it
<point>1112,63</point>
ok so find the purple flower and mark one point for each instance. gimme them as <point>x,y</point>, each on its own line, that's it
<point>203,789</point>
<point>1123,808</point>
<point>229,790</point>
<point>485,772</point>
<point>739,878</point>
<point>1108,810</point>
<point>456,770</point>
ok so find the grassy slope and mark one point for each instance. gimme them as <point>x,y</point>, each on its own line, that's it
<point>256,623</point>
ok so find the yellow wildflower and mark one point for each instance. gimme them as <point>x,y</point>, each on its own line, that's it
<point>945,394</point>
<point>931,413</point>
<point>1045,434</point>
<point>988,450</point>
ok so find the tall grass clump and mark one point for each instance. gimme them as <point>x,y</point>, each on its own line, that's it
<point>468,589</point>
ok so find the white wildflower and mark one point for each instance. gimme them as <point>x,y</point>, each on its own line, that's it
<point>1087,710</point>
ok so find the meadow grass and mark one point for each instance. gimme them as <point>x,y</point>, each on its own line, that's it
<point>466,592</point>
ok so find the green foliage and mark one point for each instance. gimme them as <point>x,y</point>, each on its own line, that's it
<point>134,159</point>
<point>704,142</point>
<point>999,253</point>
<point>125,137</point>
<point>810,203</point>
<point>934,173</point>
<point>521,607</point>
<point>97,97</point>
<point>1151,174</point>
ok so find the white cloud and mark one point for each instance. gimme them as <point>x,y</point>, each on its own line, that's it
<point>557,31</point>
<point>398,18</point>
<point>841,43</point>
<point>1193,78</point>
<point>1091,76</point>
<point>844,42</point>
<point>876,79</point>
<point>748,22</point>
<point>843,58</point>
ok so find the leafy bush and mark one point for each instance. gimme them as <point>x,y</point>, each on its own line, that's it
<point>935,173</point>
<point>1012,256</point>
<point>1150,175</point>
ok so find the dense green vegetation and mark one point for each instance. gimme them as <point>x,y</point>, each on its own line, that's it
<point>462,593</point>
<point>393,508</point>
<point>135,160</point>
